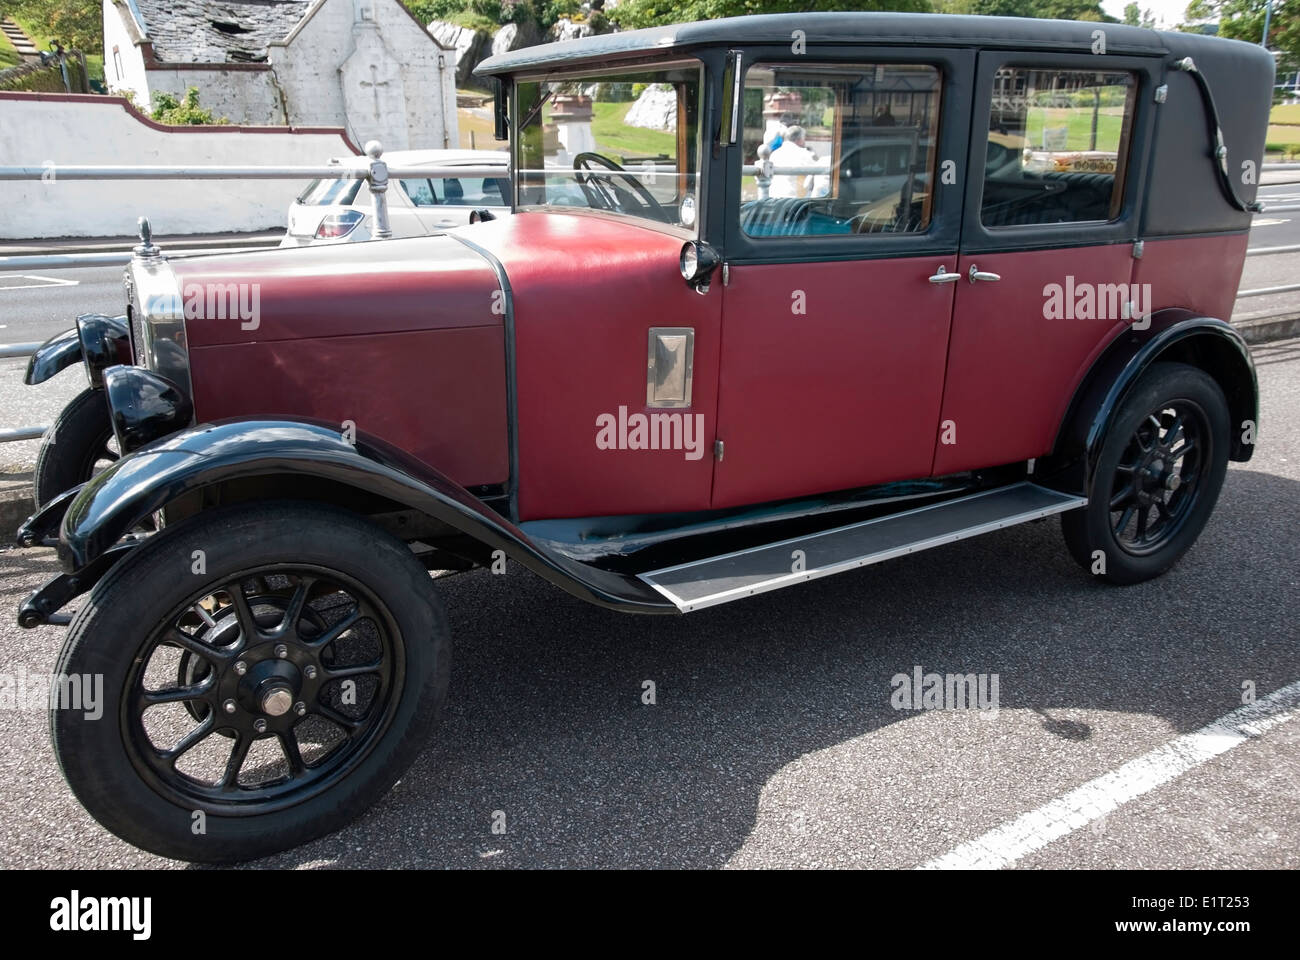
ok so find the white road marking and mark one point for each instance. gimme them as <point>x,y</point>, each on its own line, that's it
<point>42,282</point>
<point>1034,830</point>
<point>1268,223</point>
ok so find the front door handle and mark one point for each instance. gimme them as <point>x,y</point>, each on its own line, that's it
<point>943,276</point>
<point>977,274</point>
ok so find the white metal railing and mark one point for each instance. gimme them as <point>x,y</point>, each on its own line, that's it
<point>373,170</point>
<point>377,173</point>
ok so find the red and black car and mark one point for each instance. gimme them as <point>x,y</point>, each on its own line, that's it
<point>858,285</point>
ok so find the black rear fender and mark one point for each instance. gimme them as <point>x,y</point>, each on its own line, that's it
<point>1173,335</point>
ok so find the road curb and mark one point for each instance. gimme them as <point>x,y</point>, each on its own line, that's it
<point>16,504</point>
<point>125,244</point>
<point>1268,329</point>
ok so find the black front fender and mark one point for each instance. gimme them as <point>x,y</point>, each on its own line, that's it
<point>61,350</point>
<point>115,501</point>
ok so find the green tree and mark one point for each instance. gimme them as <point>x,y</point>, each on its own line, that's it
<point>1244,20</point>
<point>77,24</point>
<point>1072,10</point>
<point>1132,14</point>
<point>650,13</point>
<point>1004,8</point>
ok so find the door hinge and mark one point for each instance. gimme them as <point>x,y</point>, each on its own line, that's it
<point>726,273</point>
<point>1162,93</point>
<point>718,450</point>
<point>1138,247</point>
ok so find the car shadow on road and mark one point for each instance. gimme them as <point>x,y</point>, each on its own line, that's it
<point>548,735</point>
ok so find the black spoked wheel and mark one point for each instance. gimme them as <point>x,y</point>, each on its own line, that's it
<point>263,701</point>
<point>1157,478</point>
<point>303,661</point>
<point>76,447</point>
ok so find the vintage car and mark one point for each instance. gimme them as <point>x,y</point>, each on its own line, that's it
<point>683,393</point>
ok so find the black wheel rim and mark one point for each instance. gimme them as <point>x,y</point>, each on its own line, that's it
<point>1159,478</point>
<point>250,677</point>
<point>101,456</point>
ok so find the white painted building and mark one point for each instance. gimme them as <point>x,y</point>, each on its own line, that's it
<point>366,65</point>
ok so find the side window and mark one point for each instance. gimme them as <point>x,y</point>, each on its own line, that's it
<point>475,191</point>
<point>838,148</point>
<point>1058,146</point>
<point>420,192</point>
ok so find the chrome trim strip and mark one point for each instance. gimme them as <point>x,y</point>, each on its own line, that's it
<point>737,104</point>
<point>1067,502</point>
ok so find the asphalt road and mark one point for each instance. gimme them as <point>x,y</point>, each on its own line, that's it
<point>773,742</point>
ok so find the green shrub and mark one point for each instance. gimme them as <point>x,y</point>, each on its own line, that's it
<point>187,112</point>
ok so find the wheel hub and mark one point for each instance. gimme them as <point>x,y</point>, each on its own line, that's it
<point>270,684</point>
<point>277,700</point>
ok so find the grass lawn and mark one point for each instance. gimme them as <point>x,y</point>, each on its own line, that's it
<point>616,139</point>
<point>1079,124</point>
<point>481,128</point>
<point>1288,113</point>
<point>8,55</point>
<point>1283,134</point>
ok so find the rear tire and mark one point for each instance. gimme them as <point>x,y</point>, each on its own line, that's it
<point>70,450</point>
<point>1157,478</point>
<point>262,660</point>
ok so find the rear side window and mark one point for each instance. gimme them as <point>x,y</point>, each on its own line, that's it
<point>324,193</point>
<point>1058,144</point>
<point>458,191</point>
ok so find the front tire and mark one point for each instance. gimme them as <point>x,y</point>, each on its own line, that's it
<point>1157,478</point>
<point>227,645</point>
<point>76,447</point>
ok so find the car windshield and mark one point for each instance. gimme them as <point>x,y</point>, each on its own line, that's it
<point>622,143</point>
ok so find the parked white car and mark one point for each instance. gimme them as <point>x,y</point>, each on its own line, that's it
<point>342,211</point>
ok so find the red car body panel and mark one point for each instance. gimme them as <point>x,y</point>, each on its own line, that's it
<point>845,394</point>
<point>586,290</point>
<point>415,314</point>
<point>1200,274</point>
<point>1012,371</point>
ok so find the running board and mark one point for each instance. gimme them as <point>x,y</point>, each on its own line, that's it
<point>715,580</point>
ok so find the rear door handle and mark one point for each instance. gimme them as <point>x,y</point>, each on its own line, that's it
<point>943,276</point>
<point>977,274</point>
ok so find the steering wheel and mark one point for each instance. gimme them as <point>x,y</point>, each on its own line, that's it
<point>603,193</point>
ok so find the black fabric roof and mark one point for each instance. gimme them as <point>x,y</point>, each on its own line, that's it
<point>913,29</point>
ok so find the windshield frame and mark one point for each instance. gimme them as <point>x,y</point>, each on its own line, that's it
<point>640,66</point>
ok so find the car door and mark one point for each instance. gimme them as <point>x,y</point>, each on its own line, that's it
<point>1057,155</point>
<point>837,301</point>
